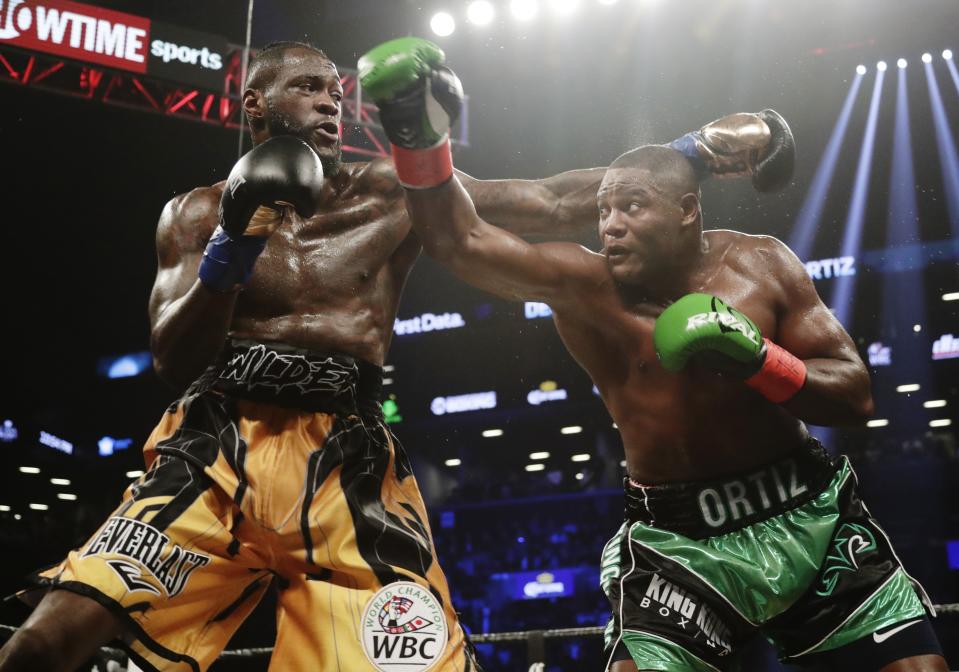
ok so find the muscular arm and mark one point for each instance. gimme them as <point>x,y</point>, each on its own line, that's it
<point>559,204</point>
<point>188,322</point>
<point>837,389</point>
<point>490,258</point>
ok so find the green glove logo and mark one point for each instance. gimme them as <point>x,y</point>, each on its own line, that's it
<point>726,322</point>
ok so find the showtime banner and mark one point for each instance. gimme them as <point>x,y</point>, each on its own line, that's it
<point>114,39</point>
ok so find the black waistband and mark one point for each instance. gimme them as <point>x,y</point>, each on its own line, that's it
<point>709,508</point>
<point>284,375</point>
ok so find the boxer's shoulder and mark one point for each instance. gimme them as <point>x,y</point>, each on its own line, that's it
<point>749,253</point>
<point>377,176</point>
<point>191,216</point>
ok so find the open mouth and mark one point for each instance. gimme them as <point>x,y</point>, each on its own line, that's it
<point>328,130</point>
<point>616,251</point>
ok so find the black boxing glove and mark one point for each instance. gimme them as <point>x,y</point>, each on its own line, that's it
<point>279,173</point>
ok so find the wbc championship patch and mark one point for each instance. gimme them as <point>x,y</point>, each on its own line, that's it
<point>403,628</point>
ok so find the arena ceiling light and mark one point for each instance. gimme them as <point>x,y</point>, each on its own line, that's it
<point>492,433</point>
<point>39,507</point>
<point>580,457</point>
<point>443,24</point>
<point>4,507</point>
<point>917,328</point>
<point>947,54</point>
<point>881,66</point>
<point>579,476</point>
<point>572,429</point>
<point>136,473</point>
<point>539,466</point>
<point>29,470</point>
<point>524,10</point>
<point>951,296</point>
<point>480,12</point>
<point>622,463</point>
<point>68,496</point>
<point>564,7</point>
<point>944,422</point>
<point>934,403</point>
<point>927,57</point>
<point>909,387</point>
<point>60,481</point>
<point>878,422</point>
<point>901,63</point>
<point>453,462</point>
<point>539,455</point>
<point>860,69</point>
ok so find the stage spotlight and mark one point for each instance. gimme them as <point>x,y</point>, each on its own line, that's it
<point>443,24</point>
<point>492,433</point>
<point>917,328</point>
<point>945,422</point>
<point>44,507</point>
<point>881,66</point>
<point>539,466</point>
<point>580,457</point>
<point>947,54</point>
<point>934,403</point>
<point>860,69</point>
<point>908,387</point>
<point>927,57</point>
<point>453,462</point>
<point>564,7</point>
<point>901,63</point>
<point>539,455</point>
<point>951,296</point>
<point>480,12</point>
<point>524,9</point>
<point>878,422</point>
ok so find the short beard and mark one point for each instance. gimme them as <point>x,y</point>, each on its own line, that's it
<point>280,123</point>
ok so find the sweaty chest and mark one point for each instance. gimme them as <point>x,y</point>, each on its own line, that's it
<point>616,345</point>
<point>345,246</point>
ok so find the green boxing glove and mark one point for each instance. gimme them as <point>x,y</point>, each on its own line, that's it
<point>704,328</point>
<point>418,98</point>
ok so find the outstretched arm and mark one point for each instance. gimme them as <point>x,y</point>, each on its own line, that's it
<point>742,144</point>
<point>490,258</point>
<point>554,205</point>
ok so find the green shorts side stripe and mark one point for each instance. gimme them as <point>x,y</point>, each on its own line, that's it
<point>895,601</point>
<point>657,653</point>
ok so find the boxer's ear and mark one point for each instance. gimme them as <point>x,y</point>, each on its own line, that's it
<point>254,106</point>
<point>689,204</point>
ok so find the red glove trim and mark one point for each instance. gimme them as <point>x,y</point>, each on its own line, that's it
<point>424,168</point>
<point>782,375</point>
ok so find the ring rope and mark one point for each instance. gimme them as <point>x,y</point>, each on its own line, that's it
<point>482,638</point>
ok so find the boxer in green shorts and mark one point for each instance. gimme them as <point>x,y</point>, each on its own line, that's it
<point>710,350</point>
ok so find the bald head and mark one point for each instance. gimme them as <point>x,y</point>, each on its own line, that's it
<point>668,170</point>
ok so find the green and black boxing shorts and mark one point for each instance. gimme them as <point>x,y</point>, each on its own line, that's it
<point>789,550</point>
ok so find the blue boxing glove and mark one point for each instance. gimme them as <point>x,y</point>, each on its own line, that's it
<point>279,173</point>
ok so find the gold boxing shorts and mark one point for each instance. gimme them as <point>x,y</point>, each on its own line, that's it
<point>276,463</point>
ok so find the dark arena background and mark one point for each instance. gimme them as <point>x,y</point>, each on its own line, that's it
<point>518,460</point>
